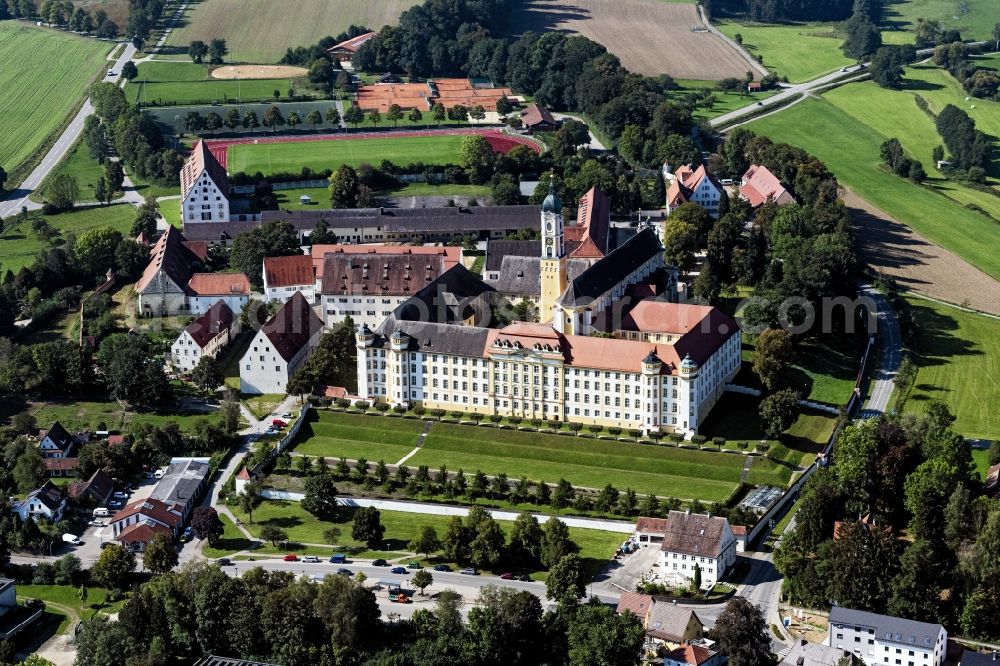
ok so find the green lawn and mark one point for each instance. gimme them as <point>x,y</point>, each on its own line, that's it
<point>320,196</point>
<point>63,599</point>
<point>160,83</point>
<point>724,101</point>
<point>825,370</point>
<point>319,155</point>
<point>232,540</point>
<point>44,77</point>
<point>171,212</point>
<point>353,436</point>
<point>850,148</point>
<point>801,51</point>
<point>982,459</point>
<point>662,470</point>
<point>973,18</point>
<point>958,358</point>
<point>86,414</point>
<point>262,405</point>
<point>20,245</point>
<point>596,546</point>
<point>80,165</point>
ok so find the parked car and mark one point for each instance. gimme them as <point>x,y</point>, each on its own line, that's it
<point>338,558</point>
<point>287,416</point>
<point>524,577</point>
<point>101,512</point>
<point>96,523</point>
<point>398,570</point>
<point>414,565</point>
<point>291,557</point>
<point>378,563</point>
<point>224,562</point>
<point>121,494</point>
<point>442,567</point>
<point>345,572</point>
<point>71,539</point>
<point>114,504</point>
<point>468,571</point>
<point>507,576</point>
<point>278,423</point>
<point>312,559</point>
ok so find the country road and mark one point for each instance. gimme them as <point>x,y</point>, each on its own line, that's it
<point>19,197</point>
<point>890,343</point>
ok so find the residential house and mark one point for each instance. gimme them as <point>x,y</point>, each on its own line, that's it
<point>693,655</point>
<point>345,51</point>
<point>759,185</point>
<point>883,639</point>
<point>204,188</point>
<point>693,185</point>
<point>280,347</point>
<point>61,467</point>
<point>48,501</point>
<point>205,336</point>
<point>137,523</point>
<point>693,540</point>
<point>162,289</point>
<point>284,276</point>
<point>182,484</point>
<point>671,624</point>
<point>56,442</point>
<point>96,490</point>
<point>636,603</point>
<point>206,289</point>
<point>536,118</point>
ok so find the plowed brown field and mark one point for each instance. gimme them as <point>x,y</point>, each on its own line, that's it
<point>649,36</point>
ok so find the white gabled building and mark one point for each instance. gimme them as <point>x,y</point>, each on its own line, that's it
<point>284,276</point>
<point>698,186</point>
<point>56,442</point>
<point>205,336</point>
<point>695,540</point>
<point>204,188</point>
<point>280,347</point>
<point>883,640</point>
<point>48,501</point>
<point>207,289</point>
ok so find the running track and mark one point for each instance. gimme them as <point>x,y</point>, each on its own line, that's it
<point>498,140</point>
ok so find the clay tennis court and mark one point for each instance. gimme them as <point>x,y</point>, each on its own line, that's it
<point>258,72</point>
<point>500,142</point>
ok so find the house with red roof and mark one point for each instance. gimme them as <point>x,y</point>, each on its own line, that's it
<point>136,523</point>
<point>204,188</point>
<point>163,286</point>
<point>205,336</point>
<point>345,51</point>
<point>695,540</point>
<point>57,467</point>
<point>207,289</point>
<point>758,185</point>
<point>95,491</point>
<point>689,184</point>
<point>536,118</point>
<point>693,655</point>
<point>281,345</point>
<point>284,276</point>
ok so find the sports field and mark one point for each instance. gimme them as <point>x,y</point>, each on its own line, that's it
<point>319,155</point>
<point>162,83</point>
<point>850,147</point>
<point>44,77</point>
<point>958,358</point>
<point>259,31</point>
<point>973,18</point>
<point>801,51</point>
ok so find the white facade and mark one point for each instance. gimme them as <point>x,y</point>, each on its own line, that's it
<point>370,310</point>
<point>282,294</point>
<point>32,507</point>
<point>712,568</point>
<point>264,370</point>
<point>200,304</point>
<point>50,449</point>
<point>881,640</point>
<point>185,352</point>
<point>696,541</point>
<point>205,202</point>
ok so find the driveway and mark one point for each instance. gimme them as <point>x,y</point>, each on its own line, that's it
<point>890,341</point>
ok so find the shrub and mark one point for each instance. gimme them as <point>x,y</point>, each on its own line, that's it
<point>536,423</point>
<point>496,418</point>
<point>476,417</point>
<point>437,413</point>
<point>594,428</point>
<point>614,431</point>
<point>676,437</point>
<point>699,439</point>
<point>516,420</point>
<point>399,409</point>
<point>635,434</point>
<point>343,403</point>
<point>362,405</point>
<point>575,427</point>
<point>419,411</point>
<point>457,414</point>
<point>382,407</point>
<point>719,442</point>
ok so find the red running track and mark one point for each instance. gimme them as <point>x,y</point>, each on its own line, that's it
<point>500,142</point>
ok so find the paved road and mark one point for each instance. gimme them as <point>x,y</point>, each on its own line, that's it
<point>890,354</point>
<point>753,62</point>
<point>19,197</point>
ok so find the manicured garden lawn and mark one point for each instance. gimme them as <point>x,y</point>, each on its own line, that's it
<point>825,370</point>
<point>319,155</point>
<point>162,83</point>
<point>596,546</point>
<point>663,470</point>
<point>353,436</point>
<point>44,77</point>
<point>801,51</point>
<point>86,414</point>
<point>973,18</point>
<point>171,212</point>
<point>232,540</point>
<point>66,598</point>
<point>20,245</point>
<point>958,358</point>
<point>854,159</point>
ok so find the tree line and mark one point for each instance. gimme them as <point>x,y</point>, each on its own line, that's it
<point>978,81</point>
<point>899,474</point>
<point>778,11</point>
<point>62,14</point>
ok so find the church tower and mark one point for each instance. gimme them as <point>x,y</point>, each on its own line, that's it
<point>553,261</point>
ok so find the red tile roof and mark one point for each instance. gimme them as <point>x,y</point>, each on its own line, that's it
<point>201,159</point>
<point>115,440</point>
<point>452,255</point>
<point>219,284</point>
<point>759,185</point>
<point>702,329</point>
<point>379,274</point>
<point>638,603</point>
<point>292,326</point>
<point>351,45</point>
<point>334,392</point>
<point>288,271</point>
<point>170,255</point>
<point>205,328</point>
<point>199,248</point>
<point>142,532</point>
<point>655,525</point>
<point>535,114</point>
<point>99,486</point>
<point>243,474</point>
<point>61,464</point>
<point>687,181</point>
<point>593,221</point>
<point>150,508</point>
<point>690,654</point>
<point>738,530</point>
<point>694,534</point>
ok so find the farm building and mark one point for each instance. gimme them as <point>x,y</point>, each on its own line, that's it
<point>423,96</point>
<point>345,51</point>
<point>537,118</point>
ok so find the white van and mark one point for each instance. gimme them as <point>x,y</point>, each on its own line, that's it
<point>159,473</point>
<point>101,512</point>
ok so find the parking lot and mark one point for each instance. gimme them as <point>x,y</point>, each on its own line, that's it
<point>94,536</point>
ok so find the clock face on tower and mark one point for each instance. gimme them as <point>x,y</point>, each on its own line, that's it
<point>548,241</point>
<point>548,226</point>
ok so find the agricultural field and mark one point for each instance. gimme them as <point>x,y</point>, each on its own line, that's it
<point>259,31</point>
<point>44,77</point>
<point>801,51</point>
<point>854,158</point>
<point>319,155</point>
<point>957,354</point>
<point>166,83</point>
<point>596,546</point>
<point>973,18</point>
<point>649,36</point>
<point>20,245</point>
